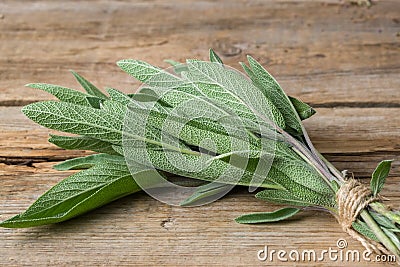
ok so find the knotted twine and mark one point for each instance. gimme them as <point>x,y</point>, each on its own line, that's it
<point>352,198</point>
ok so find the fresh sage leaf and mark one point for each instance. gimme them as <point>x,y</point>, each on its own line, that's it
<point>303,109</point>
<point>383,221</point>
<point>95,102</point>
<point>178,67</point>
<point>145,73</point>
<point>82,143</point>
<point>231,123</point>
<point>204,192</point>
<point>115,108</point>
<point>88,86</point>
<point>77,194</point>
<point>282,197</point>
<point>214,57</point>
<point>88,162</point>
<point>76,119</point>
<point>118,96</point>
<point>363,229</point>
<point>273,91</point>
<point>379,176</point>
<point>266,217</point>
<point>393,237</point>
<point>62,93</point>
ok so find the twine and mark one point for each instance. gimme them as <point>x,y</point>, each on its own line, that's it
<point>352,198</point>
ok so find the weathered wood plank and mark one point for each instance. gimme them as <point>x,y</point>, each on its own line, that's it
<point>329,53</point>
<point>138,230</point>
<point>343,54</point>
<point>348,130</point>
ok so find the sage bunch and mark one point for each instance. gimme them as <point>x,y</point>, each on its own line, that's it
<point>205,128</point>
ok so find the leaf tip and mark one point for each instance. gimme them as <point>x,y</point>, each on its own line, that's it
<point>239,220</point>
<point>25,109</point>
<point>250,58</point>
<point>123,62</point>
<point>60,167</point>
<point>30,85</point>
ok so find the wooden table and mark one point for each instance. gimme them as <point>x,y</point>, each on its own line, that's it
<point>342,58</point>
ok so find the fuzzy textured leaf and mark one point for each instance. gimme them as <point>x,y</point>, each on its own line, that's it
<point>76,119</point>
<point>77,194</point>
<point>62,93</point>
<point>82,143</point>
<point>214,57</point>
<point>88,162</point>
<point>88,86</point>
<point>303,110</point>
<point>266,217</point>
<point>379,176</point>
<point>273,91</point>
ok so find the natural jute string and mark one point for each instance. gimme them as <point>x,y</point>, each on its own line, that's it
<point>352,198</point>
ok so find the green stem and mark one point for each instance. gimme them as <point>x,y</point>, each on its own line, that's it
<point>332,168</point>
<point>320,171</point>
<point>382,209</point>
<point>385,240</point>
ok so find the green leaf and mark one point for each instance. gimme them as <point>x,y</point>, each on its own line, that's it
<point>62,93</point>
<point>214,57</point>
<point>303,109</point>
<point>88,162</point>
<point>88,86</point>
<point>218,168</point>
<point>266,217</point>
<point>297,192</point>
<point>95,102</point>
<point>82,143</point>
<point>383,220</point>
<point>118,96</point>
<point>70,118</point>
<point>115,108</point>
<point>192,133</point>
<point>364,229</point>
<point>215,95</point>
<point>204,192</point>
<point>225,85</point>
<point>178,67</point>
<point>184,181</point>
<point>379,176</point>
<point>147,73</point>
<point>282,197</point>
<point>273,91</point>
<point>392,236</point>
<point>77,194</point>
<point>143,97</point>
<point>146,94</point>
<point>297,171</point>
<point>172,62</point>
<point>335,185</point>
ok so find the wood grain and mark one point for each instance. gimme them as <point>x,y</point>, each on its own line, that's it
<point>326,52</point>
<point>137,230</point>
<point>342,58</point>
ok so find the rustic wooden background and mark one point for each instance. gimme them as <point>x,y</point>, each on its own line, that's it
<point>342,58</point>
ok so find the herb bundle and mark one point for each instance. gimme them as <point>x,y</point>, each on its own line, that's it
<point>202,122</point>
